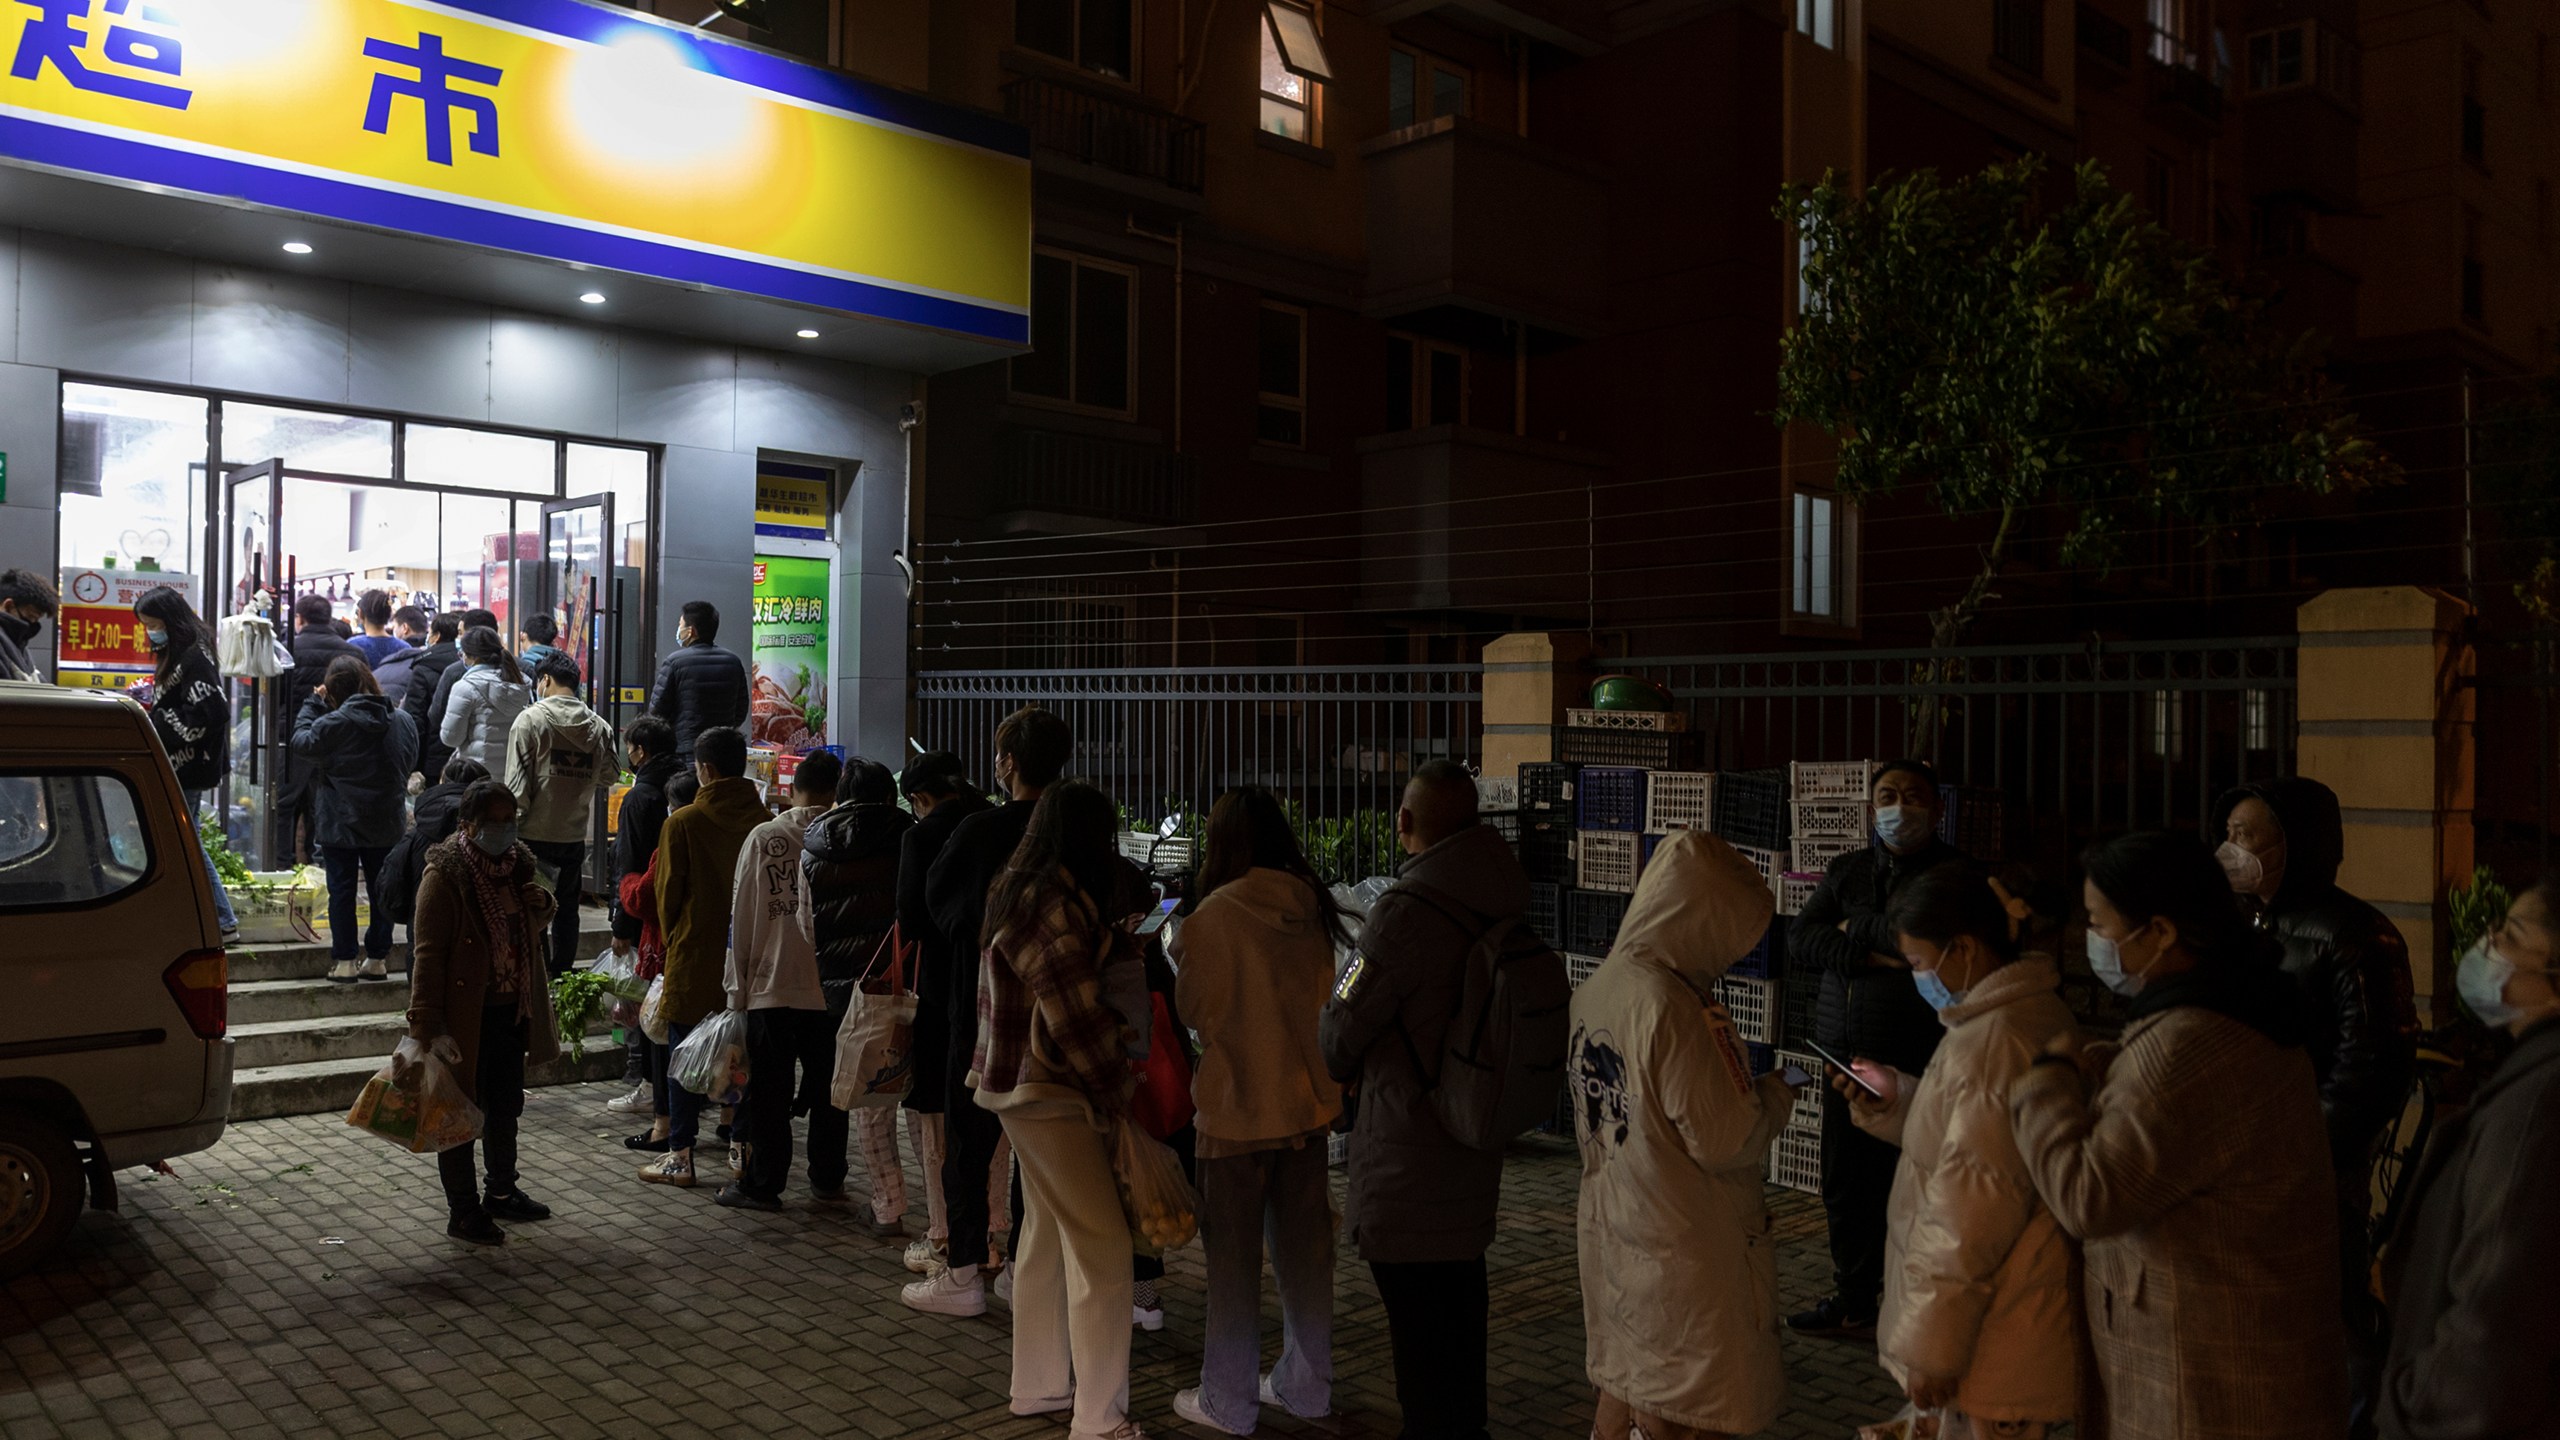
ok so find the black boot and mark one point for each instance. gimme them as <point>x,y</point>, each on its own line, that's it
<point>514,1205</point>
<point>475,1226</point>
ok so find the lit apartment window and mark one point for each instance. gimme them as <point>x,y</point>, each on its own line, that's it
<point>1426,383</point>
<point>1080,325</point>
<point>2178,33</point>
<point>2017,34</point>
<point>1423,87</point>
<point>1280,418</point>
<point>1819,21</point>
<point>1095,34</point>
<point>2475,115</point>
<point>2280,59</point>
<point>2257,720</point>
<point>1819,534</point>
<point>1294,71</point>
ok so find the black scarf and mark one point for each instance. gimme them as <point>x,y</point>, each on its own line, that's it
<point>2248,987</point>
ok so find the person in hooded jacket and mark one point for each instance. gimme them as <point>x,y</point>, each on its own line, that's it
<point>486,701</point>
<point>851,863</point>
<point>1982,1316</point>
<point>426,677</point>
<point>1679,1278</point>
<point>316,645</point>
<point>940,797</point>
<point>649,745</point>
<point>1866,1008</point>
<point>560,754</point>
<point>359,751</point>
<point>2282,843</point>
<point>1253,965</point>
<point>1421,1207</point>
<point>190,712</point>
<point>772,979</point>
<point>2475,1318</point>
<point>2189,1160</point>
<point>26,602</point>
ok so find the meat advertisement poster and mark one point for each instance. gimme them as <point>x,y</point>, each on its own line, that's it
<point>788,710</point>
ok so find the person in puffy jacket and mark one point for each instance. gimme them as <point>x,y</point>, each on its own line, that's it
<point>1422,1202</point>
<point>699,685</point>
<point>360,752</point>
<point>1254,964</point>
<point>1679,1277</point>
<point>482,712</point>
<point>2189,1161</point>
<point>851,863</point>
<point>1981,1315</point>
<point>443,653</point>
<point>190,712</point>
<point>560,754</point>
<point>2282,844</point>
<point>940,798</point>
<point>1866,1007</point>
<point>2475,1319</point>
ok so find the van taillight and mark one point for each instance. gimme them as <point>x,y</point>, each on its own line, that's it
<point>201,981</point>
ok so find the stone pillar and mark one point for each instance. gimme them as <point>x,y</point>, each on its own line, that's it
<point>1529,682</point>
<point>2386,707</point>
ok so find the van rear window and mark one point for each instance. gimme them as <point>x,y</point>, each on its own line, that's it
<point>68,839</point>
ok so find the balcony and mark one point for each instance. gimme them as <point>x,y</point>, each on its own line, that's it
<point>2184,84</point>
<point>1519,505</point>
<point>1467,217</point>
<point>1095,136</point>
<point>1057,483</point>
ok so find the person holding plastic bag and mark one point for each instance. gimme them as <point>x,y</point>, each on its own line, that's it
<point>478,994</point>
<point>639,898</point>
<point>1981,1319</point>
<point>1052,1064</point>
<point>772,979</point>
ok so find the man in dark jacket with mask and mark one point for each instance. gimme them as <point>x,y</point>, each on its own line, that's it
<point>941,797</point>
<point>1867,1009</point>
<point>437,682</point>
<point>2282,844</point>
<point>1421,1202</point>
<point>699,684</point>
<point>316,642</point>
<point>849,860</point>
<point>26,602</point>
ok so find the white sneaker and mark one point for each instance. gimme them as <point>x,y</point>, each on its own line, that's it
<point>1125,1430</point>
<point>946,1294</point>
<point>924,1257</point>
<point>1004,1284</point>
<point>641,1101</point>
<point>673,1168</point>
<point>1149,1318</point>
<point>1186,1406</point>
<point>1272,1397</point>
<point>375,968</point>
<point>343,973</point>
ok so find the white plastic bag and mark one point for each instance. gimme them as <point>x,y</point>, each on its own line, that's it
<point>711,1054</point>
<point>653,1012</point>
<point>621,974</point>
<point>245,647</point>
<point>1163,1212</point>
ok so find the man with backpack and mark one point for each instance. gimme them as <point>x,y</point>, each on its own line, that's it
<point>1422,1199</point>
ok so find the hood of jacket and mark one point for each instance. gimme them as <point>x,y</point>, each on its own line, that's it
<point>733,803</point>
<point>2314,835</point>
<point>2249,987</point>
<point>568,714</point>
<point>1698,908</point>
<point>1275,900</point>
<point>370,714</point>
<point>1474,867</point>
<point>856,832</point>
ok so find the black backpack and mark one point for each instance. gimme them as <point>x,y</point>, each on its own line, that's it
<point>405,868</point>
<point>1502,1067</point>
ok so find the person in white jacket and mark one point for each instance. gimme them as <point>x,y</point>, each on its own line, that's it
<point>1981,1318</point>
<point>486,701</point>
<point>772,978</point>
<point>1679,1280</point>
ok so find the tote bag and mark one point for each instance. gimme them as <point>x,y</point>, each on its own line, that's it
<point>875,1047</point>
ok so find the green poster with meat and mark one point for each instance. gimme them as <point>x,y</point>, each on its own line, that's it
<point>789,712</point>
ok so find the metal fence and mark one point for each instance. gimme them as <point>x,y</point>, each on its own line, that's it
<point>1337,742</point>
<point>2080,740</point>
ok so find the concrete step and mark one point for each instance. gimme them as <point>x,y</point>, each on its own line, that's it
<point>267,1001</point>
<point>329,1086</point>
<point>257,963</point>
<point>259,1045</point>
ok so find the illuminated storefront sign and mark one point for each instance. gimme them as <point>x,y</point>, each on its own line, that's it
<point>792,506</point>
<point>554,128</point>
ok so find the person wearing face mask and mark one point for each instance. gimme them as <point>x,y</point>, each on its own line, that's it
<point>26,602</point>
<point>360,752</point>
<point>477,998</point>
<point>1866,1007</point>
<point>2282,842</point>
<point>189,712</point>
<point>699,685</point>
<point>1981,1314</point>
<point>2475,1319</point>
<point>2190,1162</point>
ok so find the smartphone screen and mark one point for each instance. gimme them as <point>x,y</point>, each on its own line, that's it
<point>1843,1067</point>
<point>1155,922</point>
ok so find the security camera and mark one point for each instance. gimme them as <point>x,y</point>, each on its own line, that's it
<point>911,415</point>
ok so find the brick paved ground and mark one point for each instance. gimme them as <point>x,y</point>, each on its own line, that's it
<point>296,1281</point>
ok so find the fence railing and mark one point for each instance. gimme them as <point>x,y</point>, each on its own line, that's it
<point>2079,739</point>
<point>1339,742</point>
<point>1113,133</point>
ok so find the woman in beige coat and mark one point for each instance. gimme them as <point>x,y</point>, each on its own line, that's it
<point>1981,1314</point>
<point>2192,1164</point>
<point>1679,1285</point>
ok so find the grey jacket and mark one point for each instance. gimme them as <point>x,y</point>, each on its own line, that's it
<point>1416,1193</point>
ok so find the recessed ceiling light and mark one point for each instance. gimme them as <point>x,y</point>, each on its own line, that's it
<point>592,297</point>
<point>296,247</point>
<point>808,334</point>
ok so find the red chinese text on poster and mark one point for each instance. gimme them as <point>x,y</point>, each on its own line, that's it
<point>98,628</point>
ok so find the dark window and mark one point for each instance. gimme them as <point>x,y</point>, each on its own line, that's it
<point>2279,59</point>
<point>1079,334</point>
<point>2017,34</point>
<point>1048,370</point>
<point>1448,398</point>
<point>1426,383</point>
<point>1092,33</point>
<point>1399,383</point>
<point>2475,280</point>
<point>2475,115</point>
<point>1281,360</point>
<point>1102,338</point>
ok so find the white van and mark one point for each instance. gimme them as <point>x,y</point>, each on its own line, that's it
<point>113,1001</point>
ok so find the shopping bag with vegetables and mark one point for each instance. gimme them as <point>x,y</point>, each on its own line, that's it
<point>415,1102</point>
<point>1163,1213</point>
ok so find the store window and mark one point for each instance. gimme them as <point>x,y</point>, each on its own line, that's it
<point>1295,70</point>
<point>131,477</point>
<point>1424,87</point>
<point>1821,535</point>
<point>1094,34</point>
<point>478,460</point>
<point>1280,417</point>
<point>310,439</point>
<point>2017,34</point>
<point>1426,383</point>
<point>1819,21</point>
<point>1080,328</point>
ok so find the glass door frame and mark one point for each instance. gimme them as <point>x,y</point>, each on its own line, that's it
<point>595,644</point>
<point>239,592</point>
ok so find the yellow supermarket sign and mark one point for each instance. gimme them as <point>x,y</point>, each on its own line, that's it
<point>579,132</point>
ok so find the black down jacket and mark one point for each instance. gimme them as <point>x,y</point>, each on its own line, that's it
<point>1865,1009</point>
<point>917,850</point>
<point>699,686</point>
<point>635,834</point>
<point>850,861</point>
<point>359,755</point>
<point>192,715</point>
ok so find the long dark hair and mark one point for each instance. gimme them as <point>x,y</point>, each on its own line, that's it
<point>2149,873</point>
<point>187,630</point>
<point>346,678</point>
<point>1071,829</point>
<point>482,646</point>
<point>1247,831</point>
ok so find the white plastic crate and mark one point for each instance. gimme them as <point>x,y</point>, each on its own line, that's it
<point>1769,862</point>
<point>1794,888</point>
<point>1678,800</point>
<point>1753,1005</point>
<point>1814,856</point>
<point>1659,722</point>
<point>1607,859</point>
<point>1830,820</point>
<point>1831,779</point>
<point>1795,1161</point>
<point>1808,1112</point>
<point>1136,846</point>
<point>1578,968</point>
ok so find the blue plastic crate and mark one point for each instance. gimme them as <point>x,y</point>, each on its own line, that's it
<point>1760,963</point>
<point>1609,797</point>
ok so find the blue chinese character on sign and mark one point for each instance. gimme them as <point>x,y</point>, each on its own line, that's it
<point>53,37</point>
<point>434,92</point>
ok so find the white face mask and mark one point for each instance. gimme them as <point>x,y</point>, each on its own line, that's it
<point>1903,827</point>
<point>2106,961</point>
<point>2250,870</point>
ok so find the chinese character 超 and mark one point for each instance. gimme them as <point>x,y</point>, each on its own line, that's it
<point>52,37</point>
<point>434,92</point>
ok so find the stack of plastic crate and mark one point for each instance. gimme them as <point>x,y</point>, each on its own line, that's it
<point>1679,800</point>
<point>1750,808</point>
<point>1795,1161</point>
<point>1830,812</point>
<point>1643,739</point>
<point>1609,849</point>
<point>1546,911</point>
<point>1544,794</point>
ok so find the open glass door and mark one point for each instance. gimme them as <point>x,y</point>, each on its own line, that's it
<point>574,586</point>
<point>252,504</point>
